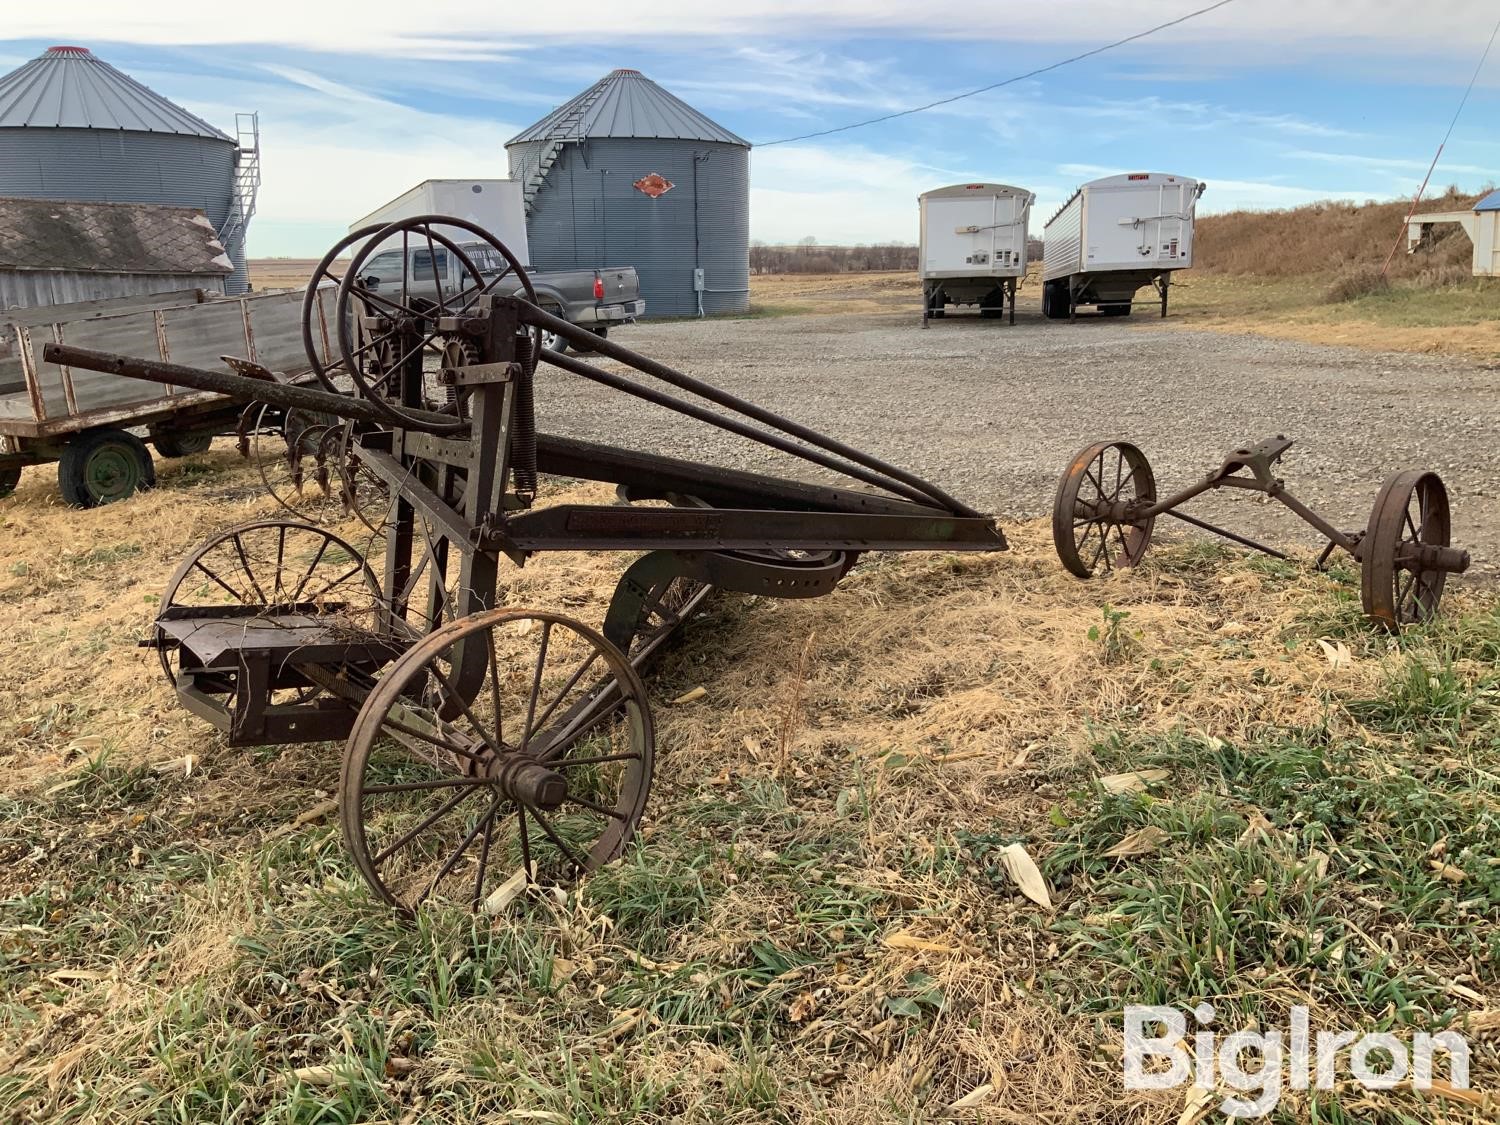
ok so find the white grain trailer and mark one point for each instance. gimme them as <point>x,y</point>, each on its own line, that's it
<point>1114,237</point>
<point>973,247</point>
<point>494,205</point>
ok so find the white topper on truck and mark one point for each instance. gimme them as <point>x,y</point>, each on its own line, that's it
<point>1114,237</point>
<point>597,299</point>
<point>973,247</point>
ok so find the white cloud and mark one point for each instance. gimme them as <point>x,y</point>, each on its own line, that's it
<point>482,28</point>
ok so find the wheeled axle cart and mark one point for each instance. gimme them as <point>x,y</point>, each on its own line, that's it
<point>1107,504</point>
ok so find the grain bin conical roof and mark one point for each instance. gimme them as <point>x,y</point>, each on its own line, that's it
<point>69,88</point>
<point>625,103</point>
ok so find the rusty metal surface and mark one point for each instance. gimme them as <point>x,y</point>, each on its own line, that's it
<point>1404,555</point>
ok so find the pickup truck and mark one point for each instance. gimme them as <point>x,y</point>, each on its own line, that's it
<point>593,299</point>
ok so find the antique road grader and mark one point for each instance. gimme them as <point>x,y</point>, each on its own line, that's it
<point>487,744</point>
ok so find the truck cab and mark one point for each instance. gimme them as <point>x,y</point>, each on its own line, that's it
<point>593,299</point>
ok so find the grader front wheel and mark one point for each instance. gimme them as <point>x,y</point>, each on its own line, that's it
<point>1096,520</point>
<point>1405,557</point>
<point>509,745</point>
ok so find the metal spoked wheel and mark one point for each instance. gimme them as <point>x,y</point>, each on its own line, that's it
<point>509,746</point>
<point>411,325</point>
<point>269,568</point>
<point>1096,523</point>
<point>665,610</point>
<point>1410,513</point>
<point>363,492</point>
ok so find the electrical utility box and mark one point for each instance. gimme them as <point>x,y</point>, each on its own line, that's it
<point>972,246</point>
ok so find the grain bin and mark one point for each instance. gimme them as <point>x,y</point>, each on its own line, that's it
<point>72,127</point>
<point>626,174</point>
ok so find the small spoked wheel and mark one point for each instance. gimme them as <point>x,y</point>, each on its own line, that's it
<point>507,747</point>
<point>271,568</point>
<point>1097,523</point>
<point>1405,554</point>
<point>295,455</point>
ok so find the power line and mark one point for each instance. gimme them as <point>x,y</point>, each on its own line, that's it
<point>1006,82</point>
<point>1438,155</point>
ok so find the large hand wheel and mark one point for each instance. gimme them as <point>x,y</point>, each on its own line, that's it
<point>1401,577</point>
<point>272,567</point>
<point>1096,520</point>
<point>410,325</point>
<point>508,743</point>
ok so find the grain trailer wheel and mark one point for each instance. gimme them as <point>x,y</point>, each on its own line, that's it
<point>1400,581</point>
<point>102,466</point>
<point>509,746</point>
<point>1096,520</point>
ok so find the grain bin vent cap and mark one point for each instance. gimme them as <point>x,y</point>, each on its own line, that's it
<point>625,103</point>
<point>71,88</point>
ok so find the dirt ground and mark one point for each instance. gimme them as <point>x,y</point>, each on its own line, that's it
<point>993,411</point>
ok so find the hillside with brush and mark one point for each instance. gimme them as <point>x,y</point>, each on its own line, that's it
<point>1333,238</point>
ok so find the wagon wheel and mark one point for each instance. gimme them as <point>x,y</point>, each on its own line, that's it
<point>1410,512</point>
<point>509,746</point>
<point>1095,517</point>
<point>411,325</point>
<point>274,567</point>
<point>293,461</point>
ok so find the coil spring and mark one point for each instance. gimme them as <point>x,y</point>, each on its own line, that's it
<point>523,422</point>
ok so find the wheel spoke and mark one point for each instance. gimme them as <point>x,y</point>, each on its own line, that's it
<point>536,686</point>
<point>411,834</point>
<point>425,737</point>
<point>565,763</point>
<point>598,808</point>
<point>311,568</point>
<point>239,547</point>
<point>484,860</point>
<point>235,594</point>
<point>566,688</point>
<point>447,686</point>
<point>562,845</point>
<point>447,868</point>
<point>430,783</point>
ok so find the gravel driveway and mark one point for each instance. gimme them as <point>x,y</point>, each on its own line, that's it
<point>993,412</point>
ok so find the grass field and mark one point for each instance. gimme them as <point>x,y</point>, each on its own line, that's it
<point>1234,791</point>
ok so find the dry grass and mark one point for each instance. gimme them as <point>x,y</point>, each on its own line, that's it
<point>815,926</point>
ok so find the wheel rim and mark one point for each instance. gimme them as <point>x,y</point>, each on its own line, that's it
<point>292,460</point>
<point>275,566</point>
<point>112,473</point>
<point>1411,511</point>
<point>1095,525</point>
<point>510,746</point>
<point>549,340</point>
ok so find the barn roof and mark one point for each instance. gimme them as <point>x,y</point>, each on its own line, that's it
<point>71,88</point>
<point>625,103</point>
<point>44,234</point>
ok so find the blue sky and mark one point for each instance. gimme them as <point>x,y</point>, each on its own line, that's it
<point>1272,102</point>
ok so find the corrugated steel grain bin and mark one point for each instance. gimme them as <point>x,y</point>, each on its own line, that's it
<point>626,174</point>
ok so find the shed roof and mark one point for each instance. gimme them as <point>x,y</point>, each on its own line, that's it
<point>1490,202</point>
<point>44,234</point>
<point>71,88</point>
<point>625,103</point>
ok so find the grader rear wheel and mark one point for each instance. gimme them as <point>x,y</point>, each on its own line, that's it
<point>1096,521</point>
<point>510,745</point>
<point>1410,513</point>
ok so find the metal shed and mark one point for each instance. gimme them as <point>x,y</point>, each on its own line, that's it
<point>1482,225</point>
<point>54,252</point>
<point>73,127</point>
<point>626,174</point>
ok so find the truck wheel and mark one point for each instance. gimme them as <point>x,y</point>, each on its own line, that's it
<point>102,466</point>
<point>1116,309</point>
<point>1055,300</point>
<point>993,304</point>
<point>173,444</point>
<point>551,341</point>
<point>10,476</point>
